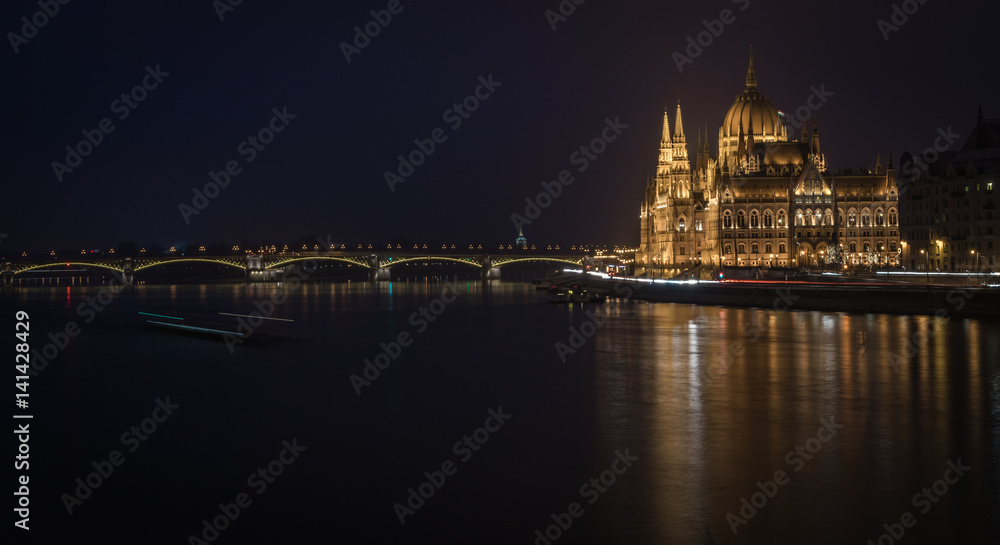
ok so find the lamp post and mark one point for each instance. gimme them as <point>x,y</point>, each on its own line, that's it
<point>978,257</point>
<point>927,264</point>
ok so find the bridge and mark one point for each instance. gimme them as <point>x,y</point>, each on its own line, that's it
<point>267,267</point>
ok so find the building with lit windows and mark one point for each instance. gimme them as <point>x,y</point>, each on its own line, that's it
<point>948,205</point>
<point>763,201</point>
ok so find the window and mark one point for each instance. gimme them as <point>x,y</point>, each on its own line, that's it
<point>697,225</point>
<point>781,218</point>
<point>767,247</point>
<point>853,246</point>
<point>868,246</point>
<point>781,247</point>
<point>683,251</point>
<point>727,249</point>
<point>754,219</point>
<point>741,220</point>
<point>680,224</point>
<point>828,217</point>
<point>741,248</point>
<point>892,246</point>
<point>892,216</point>
<point>866,218</point>
<point>799,220</point>
<point>767,219</point>
<point>879,219</point>
<point>852,217</point>
<point>727,221</point>
<point>754,248</point>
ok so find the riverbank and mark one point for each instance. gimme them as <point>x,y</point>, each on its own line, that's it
<point>864,297</point>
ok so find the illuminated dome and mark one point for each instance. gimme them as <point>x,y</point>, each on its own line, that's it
<point>751,120</point>
<point>752,107</point>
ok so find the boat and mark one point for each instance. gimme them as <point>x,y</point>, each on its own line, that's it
<point>577,295</point>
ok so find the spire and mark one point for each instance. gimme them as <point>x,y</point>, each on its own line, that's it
<point>878,163</point>
<point>679,125</point>
<point>814,145</point>
<point>750,136</point>
<point>751,73</point>
<point>666,126</point>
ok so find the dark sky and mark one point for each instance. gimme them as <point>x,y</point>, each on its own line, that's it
<point>324,173</point>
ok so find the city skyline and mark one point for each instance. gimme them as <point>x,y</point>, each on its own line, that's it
<point>334,130</point>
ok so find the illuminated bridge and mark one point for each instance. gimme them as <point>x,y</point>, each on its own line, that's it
<point>273,266</point>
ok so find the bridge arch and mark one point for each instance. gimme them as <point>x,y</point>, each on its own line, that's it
<point>78,263</point>
<point>347,260</point>
<point>468,261</point>
<point>183,260</point>
<point>501,263</point>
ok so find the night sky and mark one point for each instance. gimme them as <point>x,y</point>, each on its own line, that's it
<point>323,174</point>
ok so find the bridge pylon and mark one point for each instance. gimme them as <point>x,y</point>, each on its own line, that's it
<point>128,271</point>
<point>375,269</point>
<point>7,274</point>
<point>255,268</point>
<point>488,271</point>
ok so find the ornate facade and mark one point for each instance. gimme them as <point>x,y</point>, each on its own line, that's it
<point>763,200</point>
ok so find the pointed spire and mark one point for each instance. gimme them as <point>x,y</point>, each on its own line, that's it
<point>814,145</point>
<point>750,136</point>
<point>679,124</point>
<point>878,163</point>
<point>751,73</point>
<point>666,126</point>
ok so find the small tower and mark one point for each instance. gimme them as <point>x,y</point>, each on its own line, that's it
<point>521,241</point>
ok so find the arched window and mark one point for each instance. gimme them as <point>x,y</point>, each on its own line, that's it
<point>781,247</point>
<point>892,245</point>
<point>683,251</point>
<point>741,248</point>
<point>767,247</point>
<point>781,218</point>
<point>818,217</point>
<point>892,216</point>
<point>754,219</point>
<point>727,220</point>
<point>799,219</point>
<point>828,217</point>
<point>852,217</point>
<point>840,217</point>
<point>866,217</point>
<point>728,249</point>
<point>853,246</point>
<point>767,219</point>
<point>879,217</point>
<point>867,246</point>
<point>741,220</point>
<point>680,224</point>
<point>754,248</point>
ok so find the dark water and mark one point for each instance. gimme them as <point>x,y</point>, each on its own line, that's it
<point>705,401</point>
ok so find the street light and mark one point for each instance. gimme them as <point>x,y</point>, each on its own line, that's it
<point>978,257</point>
<point>927,264</point>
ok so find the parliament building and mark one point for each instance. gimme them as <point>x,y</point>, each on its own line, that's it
<point>763,201</point>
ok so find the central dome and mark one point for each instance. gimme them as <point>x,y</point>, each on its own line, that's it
<point>752,110</point>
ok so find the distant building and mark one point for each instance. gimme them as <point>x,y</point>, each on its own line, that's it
<point>948,206</point>
<point>521,241</point>
<point>763,201</point>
